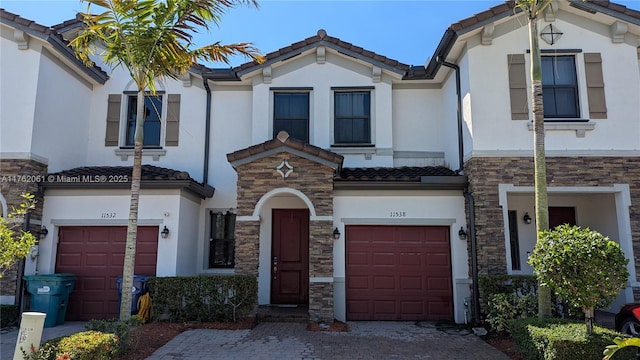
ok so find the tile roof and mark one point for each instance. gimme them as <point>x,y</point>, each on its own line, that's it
<point>53,37</point>
<point>321,38</point>
<point>402,174</point>
<point>284,141</point>
<point>120,177</point>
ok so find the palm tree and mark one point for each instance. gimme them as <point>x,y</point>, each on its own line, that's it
<point>152,39</point>
<point>533,8</point>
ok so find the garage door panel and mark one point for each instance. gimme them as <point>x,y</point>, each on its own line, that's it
<point>383,259</point>
<point>96,255</point>
<point>408,276</point>
<point>384,283</point>
<point>410,259</point>
<point>409,283</point>
<point>358,258</point>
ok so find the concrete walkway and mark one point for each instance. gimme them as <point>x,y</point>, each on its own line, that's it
<point>365,340</point>
<point>8,337</point>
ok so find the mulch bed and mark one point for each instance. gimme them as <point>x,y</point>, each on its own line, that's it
<point>505,344</point>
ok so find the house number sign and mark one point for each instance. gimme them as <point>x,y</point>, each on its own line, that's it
<point>398,214</point>
<point>108,215</point>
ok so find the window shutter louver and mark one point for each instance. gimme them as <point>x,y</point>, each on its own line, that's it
<point>113,120</point>
<point>518,87</point>
<point>173,120</point>
<point>595,86</point>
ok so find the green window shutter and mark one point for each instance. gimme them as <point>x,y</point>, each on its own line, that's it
<point>595,86</point>
<point>113,120</point>
<point>518,87</point>
<point>173,120</point>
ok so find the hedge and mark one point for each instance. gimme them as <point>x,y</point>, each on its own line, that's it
<point>203,298</point>
<point>562,339</point>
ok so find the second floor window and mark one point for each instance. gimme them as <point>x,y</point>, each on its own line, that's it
<point>352,120</point>
<point>291,114</point>
<point>560,87</point>
<point>152,121</point>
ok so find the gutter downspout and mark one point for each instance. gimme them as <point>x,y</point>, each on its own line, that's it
<point>475,311</point>
<point>19,286</point>
<point>207,130</point>
<point>456,68</point>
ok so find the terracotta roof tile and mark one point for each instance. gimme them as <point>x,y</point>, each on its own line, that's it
<point>322,37</point>
<point>48,32</point>
<point>285,141</point>
<point>149,172</point>
<point>402,174</point>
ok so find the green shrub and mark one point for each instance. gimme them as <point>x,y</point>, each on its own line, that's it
<point>202,298</point>
<point>505,307</point>
<point>86,345</point>
<point>122,329</point>
<point>9,315</point>
<point>561,339</point>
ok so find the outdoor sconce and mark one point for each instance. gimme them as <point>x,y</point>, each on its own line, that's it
<point>336,234</point>
<point>165,232</point>
<point>43,233</point>
<point>462,234</point>
<point>526,218</point>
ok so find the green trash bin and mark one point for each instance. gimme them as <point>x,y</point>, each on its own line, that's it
<point>50,295</point>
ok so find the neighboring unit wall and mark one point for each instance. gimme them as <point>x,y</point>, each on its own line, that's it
<point>486,174</point>
<point>18,177</point>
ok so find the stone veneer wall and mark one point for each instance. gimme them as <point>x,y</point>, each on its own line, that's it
<point>486,173</point>
<point>257,178</point>
<point>17,177</point>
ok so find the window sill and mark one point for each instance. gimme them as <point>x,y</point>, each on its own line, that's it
<point>154,153</point>
<point>579,126</point>
<point>367,150</point>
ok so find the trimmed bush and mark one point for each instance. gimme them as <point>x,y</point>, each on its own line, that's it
<point>505,307</point>
<point>86,345</point>
<point>561,339</point>
<point>203,298</point>
<point>122,329</point>
<point>9,315</point>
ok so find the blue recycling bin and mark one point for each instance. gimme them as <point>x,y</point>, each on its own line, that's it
<point>50,295</point>
<point>138,289</point>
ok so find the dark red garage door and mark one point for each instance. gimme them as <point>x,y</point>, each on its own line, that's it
<point>398,273</point>
<point>95,255</point>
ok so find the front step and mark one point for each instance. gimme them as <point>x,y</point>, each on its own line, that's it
<point>281,313</point>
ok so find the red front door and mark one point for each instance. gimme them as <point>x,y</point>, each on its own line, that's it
<point>290,257</point>
<point>559,215</point>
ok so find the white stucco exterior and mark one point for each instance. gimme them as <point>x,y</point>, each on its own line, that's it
<point>54,112</point>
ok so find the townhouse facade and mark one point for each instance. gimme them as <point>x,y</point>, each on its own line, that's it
<point>345,181</point>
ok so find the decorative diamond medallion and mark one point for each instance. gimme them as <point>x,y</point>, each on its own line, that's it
<point>551,35</point>
<point>288,169</point>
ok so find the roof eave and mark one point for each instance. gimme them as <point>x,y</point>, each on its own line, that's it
<point>426,183</point>
<point>203,191</point>
<point>327,44</point>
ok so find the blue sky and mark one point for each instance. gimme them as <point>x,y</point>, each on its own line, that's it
<point>407,31</point>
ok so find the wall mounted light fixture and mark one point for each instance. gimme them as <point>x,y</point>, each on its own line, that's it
<point>43,233</point>
<point>526,218</point>
<point>165,232</point>
<point>336,234</point>
<point>462,234</point>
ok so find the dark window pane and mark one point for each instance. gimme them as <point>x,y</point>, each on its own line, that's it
<point>291,114</point>
<point>560,87</point>
<point>152,123</point>
<point>352,122</point>
<point>221,240</point>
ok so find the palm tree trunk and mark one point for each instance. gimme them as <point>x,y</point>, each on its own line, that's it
<point>132,227</point>
<point>539,161</point>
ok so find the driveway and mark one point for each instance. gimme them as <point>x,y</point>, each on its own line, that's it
<point>365,340</point>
